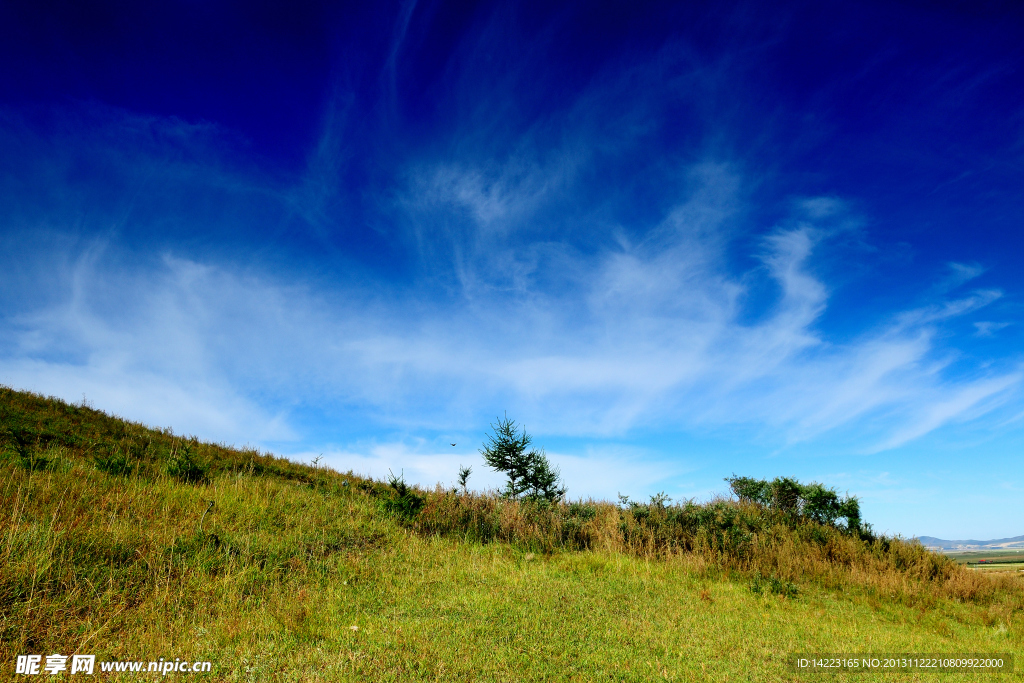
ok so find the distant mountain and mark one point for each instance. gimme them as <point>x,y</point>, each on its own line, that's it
<point>998,544</point>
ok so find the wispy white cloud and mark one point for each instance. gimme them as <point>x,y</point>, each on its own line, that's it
<point>987,328</point>
<point>590,328</point>
<point>950,405</point>
<point>650,335</point>
<point>948,309</point>
<point>192,405</point>
<point>961,273</point>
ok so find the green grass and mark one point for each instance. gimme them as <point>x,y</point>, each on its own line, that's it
<point>995,560</point>
<point>290,558</point>
<point>975,555</point>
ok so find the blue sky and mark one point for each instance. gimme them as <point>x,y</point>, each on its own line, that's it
<point>676,240</point>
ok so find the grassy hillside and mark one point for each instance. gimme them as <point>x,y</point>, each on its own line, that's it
<point>110,546</point>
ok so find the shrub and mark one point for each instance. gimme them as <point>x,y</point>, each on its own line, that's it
<point>17,447</point>
<point>182,464</point>
<point>115,461</point>
<point>582,511</point>
<point>811,501</point>
<point>772,584</point>
<point>404,502</point>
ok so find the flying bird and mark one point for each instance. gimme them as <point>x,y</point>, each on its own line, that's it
<point>453,444</point>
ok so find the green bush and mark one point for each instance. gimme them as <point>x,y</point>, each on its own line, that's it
<point>404,501</point>
<point>771,584</point>
<point>114,461</point>
<point>810,501</point>
<point>182,464</point>
<point>16,446</point>
<point>584,512</point>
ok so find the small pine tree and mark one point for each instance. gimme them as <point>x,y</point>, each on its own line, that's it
<point>528,472</point>
<point>543,480</point>
<point>464,473</point>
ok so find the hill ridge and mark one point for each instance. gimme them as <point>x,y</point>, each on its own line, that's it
<point>942,544</point>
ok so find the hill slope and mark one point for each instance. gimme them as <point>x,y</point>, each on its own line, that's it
<point>111,547</point>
